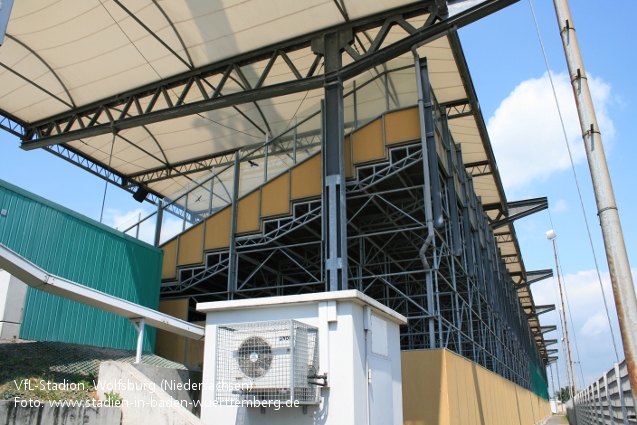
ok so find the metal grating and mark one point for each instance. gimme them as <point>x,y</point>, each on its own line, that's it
<point>266,362</point>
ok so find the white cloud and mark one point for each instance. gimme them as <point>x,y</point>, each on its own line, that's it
<point>596,324</point>
<point>526,133</point>
<point>588,323</point>
<point>121,220</point>
<point>560,206</point>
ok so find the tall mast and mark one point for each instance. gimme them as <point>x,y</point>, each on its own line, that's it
<point>567,342</point>
<point>618,265</point>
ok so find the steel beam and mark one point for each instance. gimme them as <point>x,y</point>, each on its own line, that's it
<point>12,124</point>
<point>534,276</point>
<point>541,309</point>
<point>548,328</point>
<point>520,209</point>
<point>458,109</point>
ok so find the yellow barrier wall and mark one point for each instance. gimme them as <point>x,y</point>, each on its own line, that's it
<point>442,388</point>
<point>169,345</point>
<point>176,347</point>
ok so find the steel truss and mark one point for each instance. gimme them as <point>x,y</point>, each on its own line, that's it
<point>473,304</point>
<point>464,299</point>
<point>169,98</point>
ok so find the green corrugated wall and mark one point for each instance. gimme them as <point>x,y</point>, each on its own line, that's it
<point>77,248</point>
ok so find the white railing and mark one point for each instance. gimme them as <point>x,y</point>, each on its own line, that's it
<point>608,400</point>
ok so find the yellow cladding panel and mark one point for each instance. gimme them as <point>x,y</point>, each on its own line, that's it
<point>442,388</point>
<point>175,308</point>
<point>368,142</point>
<point>401,126</point>
<point>248,212</point>
<point>453,395</point>
<point>194,350</point>
<point>275,196</point>
<point>306,178</point>
<point>190,244</point>
<point>424,388</point>
<point>167,344</point>
<point>169,267</point>
<point>347,147</point>
<point>218,230</point>
<point>442,152</point>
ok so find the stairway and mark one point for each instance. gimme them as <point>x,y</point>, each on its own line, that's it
<point>283,205</point>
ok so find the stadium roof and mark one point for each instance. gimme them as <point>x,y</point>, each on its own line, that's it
<point>153,93</point>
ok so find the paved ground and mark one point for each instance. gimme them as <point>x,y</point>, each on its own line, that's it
<point>554,420</point>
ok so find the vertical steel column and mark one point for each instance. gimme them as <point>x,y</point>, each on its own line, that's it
<point>294,142</point>
<point>618,265</point>
<point>212,191</point>
<point>424,88</point>
<point>158,223</point>
<point>232,260</point>
<point>427,134</point>
<point>183,226</point>
<point>265,158</point>
<point>355,100</point>
<point>334,206</point>
<point>451,186</point>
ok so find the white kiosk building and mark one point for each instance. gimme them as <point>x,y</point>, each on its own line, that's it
<point>325,358</point>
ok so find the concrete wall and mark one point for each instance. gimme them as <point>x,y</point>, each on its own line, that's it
<point>10,414</point>
<point>13,293</point>
<point>142,400</point>
<point>442,388</point>
<point>179,384</point>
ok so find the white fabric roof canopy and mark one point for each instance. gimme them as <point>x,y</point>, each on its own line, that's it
<point>61,55</point>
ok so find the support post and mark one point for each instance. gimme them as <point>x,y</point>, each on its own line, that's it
<point>618,265</point>
<point>430,139</point>
<point>456,247</point>
<point>139,325</point>
<point>334,206</point>
<point>232,260</point>
<point>426,133</point>
<point>569,357</point>
<point>212,192</point>
<point>160,218</point>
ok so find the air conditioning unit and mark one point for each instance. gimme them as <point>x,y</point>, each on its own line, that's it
<point>266,361</point>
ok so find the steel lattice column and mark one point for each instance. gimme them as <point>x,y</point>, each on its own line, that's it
<point>334,205</point>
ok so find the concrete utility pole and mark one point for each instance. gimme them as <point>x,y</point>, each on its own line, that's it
<point>621,278</point>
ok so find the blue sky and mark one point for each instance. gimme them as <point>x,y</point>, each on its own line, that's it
<point>509,74</point>
<point>508,71</point>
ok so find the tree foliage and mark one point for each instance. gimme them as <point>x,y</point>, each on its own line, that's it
<point>564,394</point>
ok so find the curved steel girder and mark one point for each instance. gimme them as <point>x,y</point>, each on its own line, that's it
<point>57,77</point>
